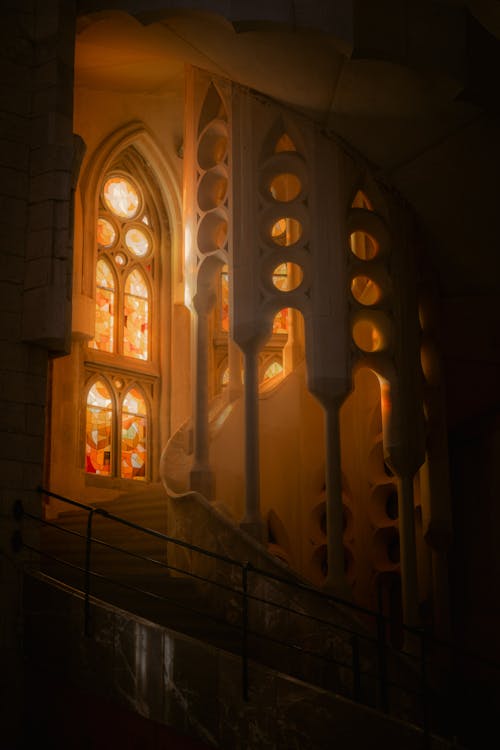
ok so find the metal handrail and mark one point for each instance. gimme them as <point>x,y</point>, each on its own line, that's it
<point>381,675</point>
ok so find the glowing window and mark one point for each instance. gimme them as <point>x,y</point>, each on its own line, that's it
<point>361,201</point>
<point>224,299</point>
<point>286,231</point>
<point>280,322</point>
<point>121,197</point>
<point>135,316</point>
<point>287,277</point>
<point>274,369</point>
<point>134,436</point>
<point>98,431</point>
<point>285,187</point>
<point>104,308</point>
<point>137,242</point>
<point>363,245</point>
<point>284,143</point>
<point>106,234</point>
<point>365,290</point>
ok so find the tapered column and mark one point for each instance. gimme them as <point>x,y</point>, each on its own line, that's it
<point>252,522</point>
<point>202,477</point>
<point>408,551</point>
<point>336,581</point>
<point>234,364</point>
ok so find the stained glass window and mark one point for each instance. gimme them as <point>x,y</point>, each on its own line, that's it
<point>284,143</point>
<point>121,197</point>
<point>137,242</point>
<point>275,368</point>
<point>98,430</point>
<point>135,316</point>
<point>280,322</point>
<point>224,299</point>
<point>104,308</point>
<point>106,234</point>
<point>134,436</point>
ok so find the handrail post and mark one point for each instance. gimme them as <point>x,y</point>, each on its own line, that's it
<point>356,674</point>
<point>244,630</point>
<point>382,664</point>
<point>88,549</point>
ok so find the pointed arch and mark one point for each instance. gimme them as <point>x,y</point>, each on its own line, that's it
<point>134,434</point>
<point>99,413</point>
<point>213,108</point>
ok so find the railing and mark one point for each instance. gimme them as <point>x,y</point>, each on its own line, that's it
<point>349,654</point>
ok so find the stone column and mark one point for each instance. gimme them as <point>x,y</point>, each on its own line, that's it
<point>234,363</point>
<point>202,477</point>
<point>408,550</point>
<point>336,580</point>
<point>252,522</point>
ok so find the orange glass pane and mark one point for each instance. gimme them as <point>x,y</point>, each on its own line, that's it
<point>121,197</point>
<point>106,234</point>
<point>285,143</point>
<point>104,309</point>
<point>280,322</point>
<point>134,436</point>
<point>135,317</point>
<point>224,299</point>
<point>98,429</point>
<point>286,231</point>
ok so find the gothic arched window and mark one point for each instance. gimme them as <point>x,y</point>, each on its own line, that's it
<point>123,360</point>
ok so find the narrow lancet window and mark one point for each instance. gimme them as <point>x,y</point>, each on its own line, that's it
<point>135,316</point>
<point>104,309</point>
<point>134,436</point>
<point>98,432</point>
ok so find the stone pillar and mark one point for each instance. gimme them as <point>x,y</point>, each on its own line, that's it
<point>252,522</point>
<point>408,550</point>
<point>234,363</point>
<point>202,478</point>
<point>335,581</point>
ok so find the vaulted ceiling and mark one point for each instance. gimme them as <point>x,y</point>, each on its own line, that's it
<point>413,87</point>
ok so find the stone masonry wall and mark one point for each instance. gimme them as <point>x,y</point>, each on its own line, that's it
<point>36,177</point>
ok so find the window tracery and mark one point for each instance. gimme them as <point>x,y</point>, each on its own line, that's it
<point>117,410</point>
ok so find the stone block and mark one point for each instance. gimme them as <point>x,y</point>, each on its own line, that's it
<point>14,182</point>
<point>53,127</point>
<point>35,419</point>
<point>53,184</point>
<point>10,297</point>
<point>14,211</point>
<point>14,155</point>
<point>14,99</point>
<point>13,417</point>
<point>39,243</point>
<point>10,326</point>
<point>38,273</point>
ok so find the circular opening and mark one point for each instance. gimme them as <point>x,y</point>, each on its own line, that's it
<point>367,336</point>
<point>121,197</point>
<point>386,548</point>
<point>106,234</point>
<point>212,233</point>
<point>285,187</point>
<point>286,231</point>
<point>287,277</point>
<point>120,259</point>
<point>212,190</point>
<point>137,242</point>
<point>212,148</point>
<point>363,245</point>
<point>391,505</point>
<point>365,290</point>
